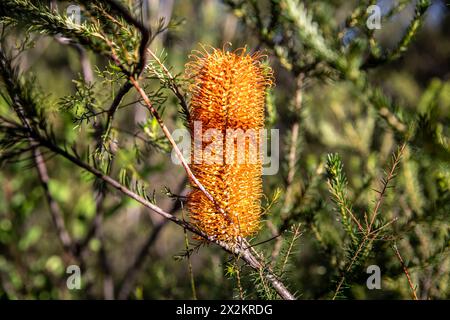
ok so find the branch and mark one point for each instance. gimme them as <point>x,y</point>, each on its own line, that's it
<point>385,183</point>
<point>14,88</point>
<point>134,80</point>
<point>292,162</point>
<point>405,270</point>
<point>169,137</point>
<point>239,249</point>
<point>55,210</point>
<point>115,105</point>
<point>295,131</point>
<point>370,234</point>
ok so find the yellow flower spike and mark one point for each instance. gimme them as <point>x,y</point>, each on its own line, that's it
<point>228,93</point>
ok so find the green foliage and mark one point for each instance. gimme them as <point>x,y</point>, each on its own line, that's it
<point>337,183</point>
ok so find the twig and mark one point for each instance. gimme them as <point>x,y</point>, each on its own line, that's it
<point>9,75</point>
<point>360,227</point>
<point>294,137</point>
<point>169,137</point>
<point>369,233</point>
<point>190,270</point>
<point>405,270</point>
<point>292,161</point>
<point>295,236</point>
<point>395,162</point>
<point>115,105</point>
<point>88,77</point>
<point>55,210</point>
<point>239,284</point>
<point>278,241</point>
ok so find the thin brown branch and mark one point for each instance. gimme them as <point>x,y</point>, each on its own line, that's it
<point>17,105</point>
<point>115,105</point>
<point>295,235</point>
<point>405,270</point>
<point>55,210</point>
<point>360,227</point>
<point>189,262</point>
<point>152,109</point>
<point>178,153</point>
<point>278,242</point>
<point>385,183</point>
<point>293,151</point>
<point>239,284</point>
<point>349,266</point>
<point>292,161</point>
<point>370,234</point>
<point>242,250</point>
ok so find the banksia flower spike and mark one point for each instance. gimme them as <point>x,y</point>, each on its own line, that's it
<point>228,95</point>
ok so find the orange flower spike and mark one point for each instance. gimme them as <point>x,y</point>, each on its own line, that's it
<point>228,93</point>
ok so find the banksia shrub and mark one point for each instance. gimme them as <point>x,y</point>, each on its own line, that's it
<point>227,114</point>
